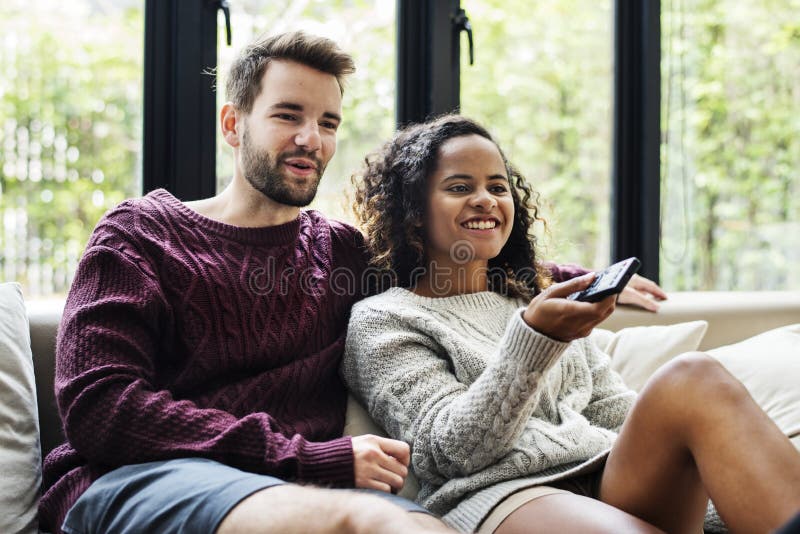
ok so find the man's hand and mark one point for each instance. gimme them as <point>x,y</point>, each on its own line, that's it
<point>551,314</point>
<point>380,463</point>
<point>643,293</point>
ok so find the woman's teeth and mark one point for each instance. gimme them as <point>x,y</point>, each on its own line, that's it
<point>480,225</point>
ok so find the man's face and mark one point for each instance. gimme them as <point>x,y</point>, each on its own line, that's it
<point>290,135</point>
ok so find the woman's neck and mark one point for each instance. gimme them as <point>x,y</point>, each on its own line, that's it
<point>456,279</point>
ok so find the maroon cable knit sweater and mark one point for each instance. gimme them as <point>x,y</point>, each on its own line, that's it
<point>183,336</point>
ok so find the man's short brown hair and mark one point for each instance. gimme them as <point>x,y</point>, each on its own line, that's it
<point>320,53</point>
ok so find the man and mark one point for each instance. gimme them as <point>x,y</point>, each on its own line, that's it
<point>197,358</point>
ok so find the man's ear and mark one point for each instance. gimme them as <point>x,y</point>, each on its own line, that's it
<point>232,123</point>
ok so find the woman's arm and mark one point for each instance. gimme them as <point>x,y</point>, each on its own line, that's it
<point>611,398</point>
<point>405,379</point>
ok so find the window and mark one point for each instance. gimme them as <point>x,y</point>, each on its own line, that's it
<point>730,155</point>
<point>70,131</point>
<point>364,29</point>
<point>542,83</point>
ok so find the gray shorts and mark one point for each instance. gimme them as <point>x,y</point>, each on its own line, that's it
<point>183,495</point>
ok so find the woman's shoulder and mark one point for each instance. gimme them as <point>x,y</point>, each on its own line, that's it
<point>393,301</point>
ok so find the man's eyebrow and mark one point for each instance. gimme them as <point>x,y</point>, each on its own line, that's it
<point>297,107</point>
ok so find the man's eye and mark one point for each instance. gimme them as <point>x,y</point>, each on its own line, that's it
<point>330,125</point>
<point>285,116</point>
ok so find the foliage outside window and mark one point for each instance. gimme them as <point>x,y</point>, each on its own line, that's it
<point>542,83</point>
<point>366,30</point>
<point>730,152</point>
<point>70,131</point>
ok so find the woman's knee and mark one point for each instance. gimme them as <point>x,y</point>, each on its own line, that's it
<point>696,380</point>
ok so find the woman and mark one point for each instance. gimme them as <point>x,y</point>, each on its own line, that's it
<point>515,421</point>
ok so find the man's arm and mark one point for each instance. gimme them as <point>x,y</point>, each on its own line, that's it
<point>115,410</point>
<point>640,291</point>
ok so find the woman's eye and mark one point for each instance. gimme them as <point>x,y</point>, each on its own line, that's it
<point>499,189</point>
<point>457,188</point>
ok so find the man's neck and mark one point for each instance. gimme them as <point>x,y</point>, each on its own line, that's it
<point>239,204</point>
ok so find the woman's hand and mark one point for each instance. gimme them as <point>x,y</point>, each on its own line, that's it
<point>551,314</point>
<point>643,293</point>
<point>380,463</point>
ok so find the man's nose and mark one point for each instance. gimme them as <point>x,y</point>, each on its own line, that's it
<point>308,137</point>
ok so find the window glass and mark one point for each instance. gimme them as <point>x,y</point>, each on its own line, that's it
<point>730,154</point>
<point>366,30</point>
<point>542,83</point>
<point>70,130</point>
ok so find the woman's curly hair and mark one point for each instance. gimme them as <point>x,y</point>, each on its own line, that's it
<point>391,196</point>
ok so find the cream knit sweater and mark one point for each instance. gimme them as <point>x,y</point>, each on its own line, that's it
<point>487,404</point>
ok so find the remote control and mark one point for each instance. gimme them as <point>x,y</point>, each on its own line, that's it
<point>610,281</point>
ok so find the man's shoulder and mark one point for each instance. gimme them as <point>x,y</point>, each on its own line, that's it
<point>317,218</point>
<point>341,232</point>
<point>132,218</point>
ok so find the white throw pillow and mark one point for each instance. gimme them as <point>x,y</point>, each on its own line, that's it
<point>20,455</point>
<point>769,366</point>
<point>637,352</point>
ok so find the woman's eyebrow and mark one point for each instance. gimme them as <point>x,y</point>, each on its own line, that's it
<point>469,177</point>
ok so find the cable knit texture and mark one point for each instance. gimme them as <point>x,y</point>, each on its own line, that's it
<point>183,336</point>
<point>487,404</point>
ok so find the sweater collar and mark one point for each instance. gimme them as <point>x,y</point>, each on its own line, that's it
<point>280,234</point>
<point>482,300</point>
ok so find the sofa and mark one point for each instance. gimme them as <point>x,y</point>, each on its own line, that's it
<point>755,334</point>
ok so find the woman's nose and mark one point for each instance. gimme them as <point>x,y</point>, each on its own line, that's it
<point>483,199</point>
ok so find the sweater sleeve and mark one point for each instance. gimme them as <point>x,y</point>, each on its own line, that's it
<point>405,379</point>
<point>611,399</point>
<point>116,413</point>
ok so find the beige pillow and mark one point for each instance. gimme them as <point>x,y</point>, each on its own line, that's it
<point>769,366</point>
<point>637,352</point>
<point>20,456</point>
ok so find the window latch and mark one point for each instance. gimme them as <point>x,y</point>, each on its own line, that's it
<point>460,24</point>
<point>225,6</point>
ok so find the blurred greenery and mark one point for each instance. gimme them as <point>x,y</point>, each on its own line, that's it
<point>542,82</point>
<point>730,150</point>
<point>70,127</point>
<point>71,113</point>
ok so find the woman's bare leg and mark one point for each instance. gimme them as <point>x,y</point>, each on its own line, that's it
<point>565,513</point>
<point>696,432</point>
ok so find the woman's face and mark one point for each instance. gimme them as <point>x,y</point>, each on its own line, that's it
<point>470,210</point>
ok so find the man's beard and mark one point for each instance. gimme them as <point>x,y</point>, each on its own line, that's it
<point>265,175</point>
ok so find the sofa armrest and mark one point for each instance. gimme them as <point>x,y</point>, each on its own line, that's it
<point>732,315</point>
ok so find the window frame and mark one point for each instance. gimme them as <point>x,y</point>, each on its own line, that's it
<point>179,151</point>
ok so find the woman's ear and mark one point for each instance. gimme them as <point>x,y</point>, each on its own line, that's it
<point>231,121</point>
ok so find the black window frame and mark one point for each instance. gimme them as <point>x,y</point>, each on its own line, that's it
<point>179,149</point>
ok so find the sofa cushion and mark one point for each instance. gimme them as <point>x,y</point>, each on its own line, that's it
<point>637,352</point>
<point>769,366</point>
<point>20,455</point>
<point>358,422</point>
